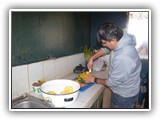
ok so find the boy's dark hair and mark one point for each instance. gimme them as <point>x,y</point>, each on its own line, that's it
<point>109,31</point>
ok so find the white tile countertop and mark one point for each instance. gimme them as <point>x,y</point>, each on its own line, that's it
<point>87,98</point>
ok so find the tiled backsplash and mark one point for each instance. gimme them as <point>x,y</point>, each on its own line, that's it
<point>19,81</point>
<point>23,76</point>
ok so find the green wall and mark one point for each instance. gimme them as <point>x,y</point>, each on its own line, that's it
<point>98,18</point>
<point>37,36</point>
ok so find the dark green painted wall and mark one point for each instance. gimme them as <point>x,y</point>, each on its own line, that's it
<point>39,35</point>
<point>98,18</point>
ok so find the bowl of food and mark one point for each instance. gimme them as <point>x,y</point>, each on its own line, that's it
<point>60,92</point>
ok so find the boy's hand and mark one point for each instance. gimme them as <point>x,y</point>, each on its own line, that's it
<point>89,78</point>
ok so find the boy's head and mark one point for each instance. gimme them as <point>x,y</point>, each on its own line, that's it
<point>109,34</point>
<point>109,31</point>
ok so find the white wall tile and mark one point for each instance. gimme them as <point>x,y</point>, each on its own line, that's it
<point>49,69</point>
<point>75,60</point>
<point>66,65</point>
<point>24,76</point>
<point>35,72</point>
<point>61,67</point>
<point>19,81</point>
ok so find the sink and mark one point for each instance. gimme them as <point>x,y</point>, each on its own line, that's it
<point>29,102</point>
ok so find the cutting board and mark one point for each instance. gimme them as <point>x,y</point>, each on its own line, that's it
<point>82,89</point>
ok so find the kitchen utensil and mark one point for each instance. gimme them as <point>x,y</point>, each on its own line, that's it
<point>58,85</point>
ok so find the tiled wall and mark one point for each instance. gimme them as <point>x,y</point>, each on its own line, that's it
<point>23,76</point>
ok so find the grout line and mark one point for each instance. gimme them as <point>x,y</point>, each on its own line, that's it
<point>28,76</point>
<point>43,68</point>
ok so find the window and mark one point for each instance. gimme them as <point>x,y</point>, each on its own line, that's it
<point>138,26</point>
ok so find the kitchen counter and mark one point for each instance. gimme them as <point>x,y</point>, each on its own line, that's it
<point>86,98</point>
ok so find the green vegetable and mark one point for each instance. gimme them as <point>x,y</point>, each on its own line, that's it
<point>87,51</point>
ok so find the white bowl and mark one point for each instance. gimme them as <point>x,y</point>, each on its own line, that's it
<point>58,85</point>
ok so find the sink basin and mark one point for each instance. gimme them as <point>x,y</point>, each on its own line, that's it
<point>29,102</point>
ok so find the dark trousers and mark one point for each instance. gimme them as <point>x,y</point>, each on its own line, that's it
<point>123,102</point>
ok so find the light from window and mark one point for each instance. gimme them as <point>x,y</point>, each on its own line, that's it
<point>138,26</point>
